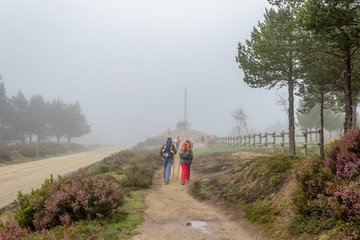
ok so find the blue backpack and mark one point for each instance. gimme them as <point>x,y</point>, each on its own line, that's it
<point>167,151</point>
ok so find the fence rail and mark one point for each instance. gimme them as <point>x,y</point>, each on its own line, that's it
<point>269,141</point>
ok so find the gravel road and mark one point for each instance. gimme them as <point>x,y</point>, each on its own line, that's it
<point>26,176</point>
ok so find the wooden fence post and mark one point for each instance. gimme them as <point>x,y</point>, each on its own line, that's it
<point>274,140</point>
<point>266,142</point>
<point>260,136</point>
<point>306,141</point>
<point>254,143</point>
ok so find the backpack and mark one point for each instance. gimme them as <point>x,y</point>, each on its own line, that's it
<point>167,151</point>
<point>185,154</point>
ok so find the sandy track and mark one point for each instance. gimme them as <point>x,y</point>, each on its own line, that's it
<point>170,208</point>
<point>23,177</point>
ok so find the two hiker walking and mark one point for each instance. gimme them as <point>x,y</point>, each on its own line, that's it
<point>168,151</point>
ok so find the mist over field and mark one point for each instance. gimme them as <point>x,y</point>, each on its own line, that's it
<point>127,63</point>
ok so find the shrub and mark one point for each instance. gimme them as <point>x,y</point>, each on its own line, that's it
<point>312,224</point>
<point>25,213</point>
<point>346,201</point>
<point>5,154</point>
<point>75,199</point>
<point>11,230</point>
<point>312,179</point>
<point>28,151</point>
<point>117,159</point>
<point>138,177</point>
<point>329,189</point>
<point>102,168</point>
<point>65,201</point>
<point>343,158</point>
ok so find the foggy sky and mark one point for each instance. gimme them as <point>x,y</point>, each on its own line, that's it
<point>127,62</point>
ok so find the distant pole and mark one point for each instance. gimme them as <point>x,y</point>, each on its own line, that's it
<point>185,121</point>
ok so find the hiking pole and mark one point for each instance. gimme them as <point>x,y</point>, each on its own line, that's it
<point>173,166</point>
<point>178,170</point>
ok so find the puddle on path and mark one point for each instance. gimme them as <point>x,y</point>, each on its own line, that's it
<point>199,225</point>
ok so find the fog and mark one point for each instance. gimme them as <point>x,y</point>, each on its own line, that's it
<point>128,62</point>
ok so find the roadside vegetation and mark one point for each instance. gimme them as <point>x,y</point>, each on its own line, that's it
<point>289,197</point>
<point>18,153</point>
<point>103,202</point>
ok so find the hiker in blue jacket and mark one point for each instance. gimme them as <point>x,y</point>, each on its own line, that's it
<point>167,153</point>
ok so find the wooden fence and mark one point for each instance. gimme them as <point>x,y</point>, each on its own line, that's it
<point>269,141</point>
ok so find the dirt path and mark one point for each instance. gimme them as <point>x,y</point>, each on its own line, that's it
<point>172,213</point>
<point>23,177</point>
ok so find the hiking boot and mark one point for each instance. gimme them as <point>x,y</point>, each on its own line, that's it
<point>167,183</point>
<point>182,183</point>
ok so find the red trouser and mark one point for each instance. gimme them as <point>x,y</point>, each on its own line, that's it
<point>185,172</point>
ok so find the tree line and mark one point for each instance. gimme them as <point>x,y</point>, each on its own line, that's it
<point>23,120</point>
<point>310,47</point>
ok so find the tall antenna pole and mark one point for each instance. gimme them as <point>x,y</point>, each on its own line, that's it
<point>185,121</point>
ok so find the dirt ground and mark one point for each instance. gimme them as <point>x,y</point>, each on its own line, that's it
<point>172,213</point>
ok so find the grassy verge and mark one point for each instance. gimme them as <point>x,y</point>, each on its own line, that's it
<point>286,196</point>
<point>128,171</point>
<point>247,186</point>
<point>20,153</point>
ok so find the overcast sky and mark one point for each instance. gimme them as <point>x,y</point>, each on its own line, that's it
<point>127,62</point>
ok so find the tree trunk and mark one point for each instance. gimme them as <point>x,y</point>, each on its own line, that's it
<point>322,126</point>
<point>292,148</point>
<point>354,106</point>
<point>348,93</point>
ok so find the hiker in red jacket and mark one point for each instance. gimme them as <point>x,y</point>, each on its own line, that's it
<point>186,157</point>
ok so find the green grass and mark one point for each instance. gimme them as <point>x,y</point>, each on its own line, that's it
<point>215,149</point>
<point>312,150</point>
<point>260,211</point>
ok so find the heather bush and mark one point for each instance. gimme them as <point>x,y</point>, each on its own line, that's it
<point>75,199</point>
<point>137,177</point>
<point>26,210</point>
<point>346,201</point>
<point>117,159</point>
<point>343,156</point>
<point>11,230</point>
<point>68,200</point>
<point>312,178</point>
<point>330,189</point>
